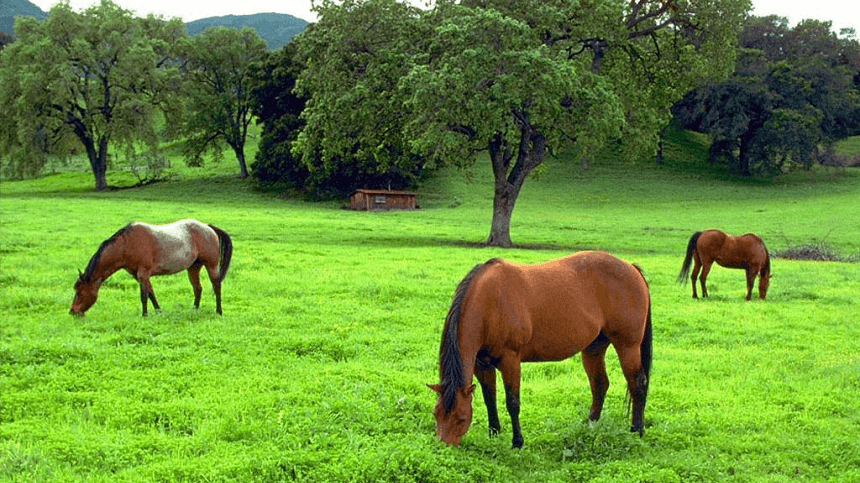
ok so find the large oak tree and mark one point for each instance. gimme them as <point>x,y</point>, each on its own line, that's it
<point>98,77</point>
<point>513,79</point>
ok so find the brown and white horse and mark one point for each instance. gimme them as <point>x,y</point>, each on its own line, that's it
<point>506,313</point>
<point>144,250</point>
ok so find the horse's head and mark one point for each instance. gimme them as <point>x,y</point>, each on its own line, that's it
<point>86,293</point>
<point>452,425</point>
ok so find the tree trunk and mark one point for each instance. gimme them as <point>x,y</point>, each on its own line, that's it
<point>503,207</point>
<point>744,155</point>
<point>508,185</point>
<point>239,148</point>
<point>98,160</point>
<point>243,169</point>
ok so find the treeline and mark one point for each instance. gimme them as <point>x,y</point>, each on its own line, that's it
<point>378,91</point>
<point>108,84</point>
<point>794,93</point>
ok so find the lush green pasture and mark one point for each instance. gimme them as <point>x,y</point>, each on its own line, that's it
<point>332,322</point>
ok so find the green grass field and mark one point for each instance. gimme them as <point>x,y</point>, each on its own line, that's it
<point>332,321</point>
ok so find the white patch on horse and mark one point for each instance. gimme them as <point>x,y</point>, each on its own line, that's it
<point>175,244</point>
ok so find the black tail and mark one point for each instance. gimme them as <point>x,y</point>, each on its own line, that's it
<point>643,379</point>
<point>226,252</point>
<point>646,350</point>
<point>691,247</point>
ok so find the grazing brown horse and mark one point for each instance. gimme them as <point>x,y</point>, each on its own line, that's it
<point>505,313</point>
<point>144,250</point>
<point>747,252</point>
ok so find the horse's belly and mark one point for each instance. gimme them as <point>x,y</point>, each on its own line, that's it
<point>559,345</point>
<point>175,260</point>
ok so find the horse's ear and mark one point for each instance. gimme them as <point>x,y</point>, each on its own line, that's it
<point>80,274</point>
<point>435,387</point>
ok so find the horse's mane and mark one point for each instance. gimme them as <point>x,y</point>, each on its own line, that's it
<point>451,367</point>
<point>94,261</point>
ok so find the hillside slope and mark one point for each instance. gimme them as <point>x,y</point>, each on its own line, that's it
<point>275,28</point>
<point>9,9</point>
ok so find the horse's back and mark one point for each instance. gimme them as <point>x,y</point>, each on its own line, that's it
<point>557,308</point>
<point>179,244</point>
<point>732,251</point>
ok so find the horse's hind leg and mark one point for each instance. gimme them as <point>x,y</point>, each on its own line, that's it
<point>631,365</point>
<point>215,278</point>
<point>194,277</point>
<point>751,274</point>
<point>594,361</point>
<point>697,265</point>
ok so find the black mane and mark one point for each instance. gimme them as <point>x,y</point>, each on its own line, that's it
<point>94,261</point>
<point>450,361</point>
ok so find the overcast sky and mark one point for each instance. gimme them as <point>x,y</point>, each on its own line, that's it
<point>843,13</point>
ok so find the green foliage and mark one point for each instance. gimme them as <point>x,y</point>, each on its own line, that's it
<point>793,91</point>
<point>218,76</point>
<point>515,80</point>
<point>354,111</point>
<point>97,77</point>
<point>332,322</point>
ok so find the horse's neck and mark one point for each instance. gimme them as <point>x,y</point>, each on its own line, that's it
<point>110,262</point>
<point>470,346</point>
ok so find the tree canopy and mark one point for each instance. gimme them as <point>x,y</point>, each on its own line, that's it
<point>95,78</point>
<point>514,80</point>
<point>218,76</point>
<point>792,91</point>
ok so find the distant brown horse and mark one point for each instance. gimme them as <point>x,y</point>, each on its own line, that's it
<point>747,252</point>
<point>144,250</point>
<point>505,313</point>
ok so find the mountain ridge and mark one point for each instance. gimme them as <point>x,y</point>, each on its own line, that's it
<point>275,28</point>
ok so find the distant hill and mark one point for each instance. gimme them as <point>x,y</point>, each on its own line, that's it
<point>9,9</point>
<point>275,28</point>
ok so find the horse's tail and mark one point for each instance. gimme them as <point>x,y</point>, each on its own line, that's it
<point>765,271</point>
<point>226,244</point>
<point>643,379</point>
<point>691,247</point>
<point>452,372</point>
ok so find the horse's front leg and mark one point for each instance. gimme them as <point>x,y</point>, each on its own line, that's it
<point>703,278</point>
<point>146,292</point>
<point>487,377</point>
<point>697,265</point>
<point>510,367</point>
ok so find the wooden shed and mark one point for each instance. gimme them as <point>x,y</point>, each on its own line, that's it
<point>372,200</point>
